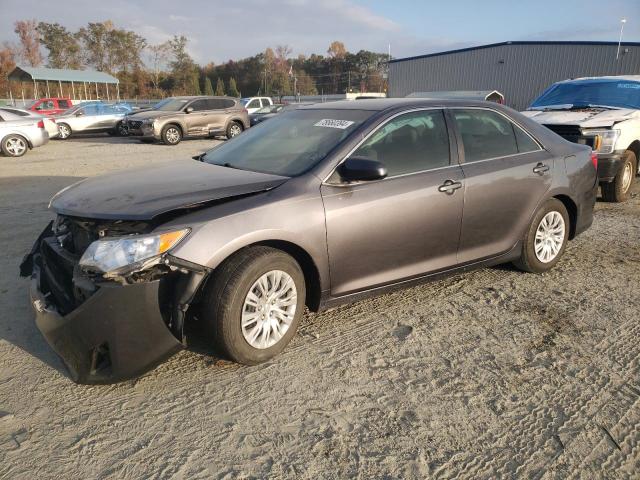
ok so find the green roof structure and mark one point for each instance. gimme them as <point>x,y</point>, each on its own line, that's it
<point>30,74</point>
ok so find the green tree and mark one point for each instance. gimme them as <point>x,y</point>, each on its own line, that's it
<point>233,88</point>
<point>208,88</point>
<point>220,87</point>
<point>182,65</point>
<point>195,84</point>
<point>62,45</point>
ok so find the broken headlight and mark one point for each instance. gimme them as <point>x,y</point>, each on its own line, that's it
<point>111,254</point>
<point>605,140</point>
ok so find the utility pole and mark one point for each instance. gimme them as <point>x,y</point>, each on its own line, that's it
<point>622,22</point>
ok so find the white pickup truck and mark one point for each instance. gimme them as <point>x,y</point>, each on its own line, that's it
<point>604,113</point>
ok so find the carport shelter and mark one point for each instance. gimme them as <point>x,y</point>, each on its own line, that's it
<point>71,78</point>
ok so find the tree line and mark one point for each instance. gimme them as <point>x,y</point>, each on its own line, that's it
<point>159,70</point>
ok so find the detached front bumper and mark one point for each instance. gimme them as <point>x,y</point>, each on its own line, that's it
<point>609,165</point>
<point>144,130</point>
<point>116,334</point>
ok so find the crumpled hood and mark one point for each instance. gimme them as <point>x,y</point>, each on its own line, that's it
<point>583,118</point>
<point>144,193</point>
<point>152,114</point>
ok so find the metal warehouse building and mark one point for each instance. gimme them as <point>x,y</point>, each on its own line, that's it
<point>520,70</point>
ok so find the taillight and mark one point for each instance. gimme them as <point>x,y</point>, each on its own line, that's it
<point>41,124</point>
<point>594,160</point>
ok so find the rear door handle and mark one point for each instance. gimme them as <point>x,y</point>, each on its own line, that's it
<point>449,187</point>
<point>540,168</point>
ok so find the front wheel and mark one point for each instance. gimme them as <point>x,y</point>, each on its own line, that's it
<point>620,188</point>
<point>122,129</point>
<point>171,135</point>
<point>253,305</point>
<point>14,146</point>
<point>64,131</point>
<point>233,130</point>
<point>546,238</point>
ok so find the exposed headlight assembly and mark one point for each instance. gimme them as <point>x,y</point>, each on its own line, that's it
<point>111,254</point>
<point>605,141</point>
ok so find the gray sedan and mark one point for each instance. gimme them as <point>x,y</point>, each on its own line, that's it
<point>319,206</point>
<point>93,118</point>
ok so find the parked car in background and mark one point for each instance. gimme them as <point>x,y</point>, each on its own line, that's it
<point>320,206</point>
<point>50,106</point>
<point>603,113</point>
<point>19,134</point>
<point>94,117</point>
<point>49,122</point>
<point>272,111</point>
<point>253,104</point>
<point>176,118</point>
<point>259,115</point>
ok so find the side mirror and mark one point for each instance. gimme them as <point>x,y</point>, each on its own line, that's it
<point>361,169</point>
<point>188,110</point>
<point>80,113</point>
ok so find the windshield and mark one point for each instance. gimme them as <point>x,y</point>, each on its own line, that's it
<point>590,93</point>
<point>290,143</point>
<point>171,104</point>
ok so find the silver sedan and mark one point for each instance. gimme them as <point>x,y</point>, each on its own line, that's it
<point>92,118</point>
<point>18,134</point>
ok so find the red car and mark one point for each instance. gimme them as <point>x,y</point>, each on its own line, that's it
<point>51,106</point>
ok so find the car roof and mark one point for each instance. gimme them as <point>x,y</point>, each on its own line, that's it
<point>632,78</point>
<point>380,104</point>
<point>194,97</point>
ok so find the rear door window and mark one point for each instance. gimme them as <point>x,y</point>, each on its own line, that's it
<point>64,103</point>
<point>219,103</point>
<point>409,143</point>
<point>485,134</point>
<point>525,142</point>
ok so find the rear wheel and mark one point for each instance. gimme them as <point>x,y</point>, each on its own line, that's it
<point>171,135</point>
<point>620,189</point>
<point>546,238</point>
<point>253,306</point>
<point>234,129</point>
<point>14,146</point>
<point>64,131</point>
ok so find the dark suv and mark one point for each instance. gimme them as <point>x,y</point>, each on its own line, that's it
<point>176,118</point>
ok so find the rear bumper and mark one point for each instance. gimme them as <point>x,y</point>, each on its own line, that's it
<point>116,334</point>
<point>609,166</point>
<point>40,139</point>
<point>584,217</point>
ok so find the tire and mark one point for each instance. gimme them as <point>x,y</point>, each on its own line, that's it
<point>171,134</point>
<point>14,145</point>
<point>529,260</point>
<point>122,130</point>
<point>234,129</point>
<point>64,131</point>
<point>619,190</point>
<point>224,304</point>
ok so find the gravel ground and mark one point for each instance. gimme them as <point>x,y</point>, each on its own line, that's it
<point>494,373</point>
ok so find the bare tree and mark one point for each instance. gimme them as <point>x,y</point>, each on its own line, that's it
<point>29,50</point>
<point>159,56</point>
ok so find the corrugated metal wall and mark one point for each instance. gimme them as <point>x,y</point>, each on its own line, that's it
<point>520,71</point>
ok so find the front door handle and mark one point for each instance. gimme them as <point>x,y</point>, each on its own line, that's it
<point>449,187</point>
<point>540,168</point>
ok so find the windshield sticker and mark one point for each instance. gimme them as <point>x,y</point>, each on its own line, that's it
<point>327,122</point>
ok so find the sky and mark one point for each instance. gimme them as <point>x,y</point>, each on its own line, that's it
<point>222,30</point>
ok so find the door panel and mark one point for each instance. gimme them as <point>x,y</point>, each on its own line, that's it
<point>382,232</point>
<point>500,194</point>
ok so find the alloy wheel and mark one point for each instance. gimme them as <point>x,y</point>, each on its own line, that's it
<point>234,130</point>
<point>549,237</point>
<point>172,135</point>
<point>16,146</point>
<point>268,309</point>
<point>64,131</point>
<point>627,176</point>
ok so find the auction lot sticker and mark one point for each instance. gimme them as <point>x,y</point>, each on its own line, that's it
<point>327,122</point>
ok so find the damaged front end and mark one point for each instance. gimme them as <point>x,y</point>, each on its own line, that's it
<point>110,325</point>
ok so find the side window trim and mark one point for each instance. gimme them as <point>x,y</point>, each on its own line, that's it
<point>453,152</point>
<point>461,153</point>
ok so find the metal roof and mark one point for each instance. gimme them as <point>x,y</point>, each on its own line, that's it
<point>500,44</point>
<point>29,74</point>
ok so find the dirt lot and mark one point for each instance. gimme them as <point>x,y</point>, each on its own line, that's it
<point>494,373</point>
